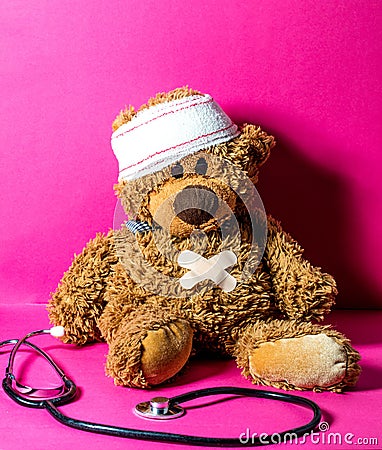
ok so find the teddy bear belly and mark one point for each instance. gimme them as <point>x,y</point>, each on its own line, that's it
<point>218,324</point>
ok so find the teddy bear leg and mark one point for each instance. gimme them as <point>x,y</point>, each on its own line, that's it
<point>289,354</point>
<point>148,348</point>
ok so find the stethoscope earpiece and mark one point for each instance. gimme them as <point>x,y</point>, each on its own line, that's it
<point>57,331</point>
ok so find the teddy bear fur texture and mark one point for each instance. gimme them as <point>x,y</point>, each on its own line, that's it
<point>268,322</point>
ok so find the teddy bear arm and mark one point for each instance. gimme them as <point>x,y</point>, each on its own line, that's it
<point>79,298</point>
<point>300,289</point>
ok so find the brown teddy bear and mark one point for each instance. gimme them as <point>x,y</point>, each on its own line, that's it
<point>190,271</point>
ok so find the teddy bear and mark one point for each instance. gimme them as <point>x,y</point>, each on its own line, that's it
<point>188,270</point>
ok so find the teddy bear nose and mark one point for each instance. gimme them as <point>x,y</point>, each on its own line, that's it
<point>196,204</point>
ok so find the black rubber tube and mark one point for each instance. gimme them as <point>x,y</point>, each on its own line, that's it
<point>254,441</point>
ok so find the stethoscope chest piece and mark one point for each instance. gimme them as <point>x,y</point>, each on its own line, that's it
<point>158,408</point>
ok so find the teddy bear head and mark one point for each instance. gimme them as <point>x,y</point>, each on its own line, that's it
<point>182,159</point>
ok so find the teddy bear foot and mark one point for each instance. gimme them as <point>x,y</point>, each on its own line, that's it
<point>303,356</point>
<point>147,351</point>
<point>304,362</point>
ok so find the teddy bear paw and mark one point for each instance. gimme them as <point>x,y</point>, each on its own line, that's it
<point>317,362</point>
<point>146,353</point>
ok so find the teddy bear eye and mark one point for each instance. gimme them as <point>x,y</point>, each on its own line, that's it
<point>201,166</point>
<point>177,171</point>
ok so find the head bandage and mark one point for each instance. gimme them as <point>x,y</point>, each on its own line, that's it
<point>162,134</point>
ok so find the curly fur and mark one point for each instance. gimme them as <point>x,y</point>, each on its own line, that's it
<point>99,297</point>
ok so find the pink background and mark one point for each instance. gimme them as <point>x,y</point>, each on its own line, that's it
<point>309,72</point>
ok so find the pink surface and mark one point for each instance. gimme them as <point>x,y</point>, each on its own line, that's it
<point>357,412</point>
<point>309,72</point>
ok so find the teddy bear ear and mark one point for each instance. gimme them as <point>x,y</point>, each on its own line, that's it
<point>251,149</point>
<point>124,116</point>
<point>259,143</point>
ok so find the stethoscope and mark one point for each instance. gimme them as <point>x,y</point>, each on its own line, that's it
<point>156,408</point>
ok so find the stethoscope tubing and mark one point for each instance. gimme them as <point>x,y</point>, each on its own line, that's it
<point>69,394</point>
<point>255,441</point>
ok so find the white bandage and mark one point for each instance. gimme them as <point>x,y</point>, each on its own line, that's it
<point>207,269</point>
<point>164,133</point>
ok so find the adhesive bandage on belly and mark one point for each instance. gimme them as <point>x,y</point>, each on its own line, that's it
<point>213,269</point>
